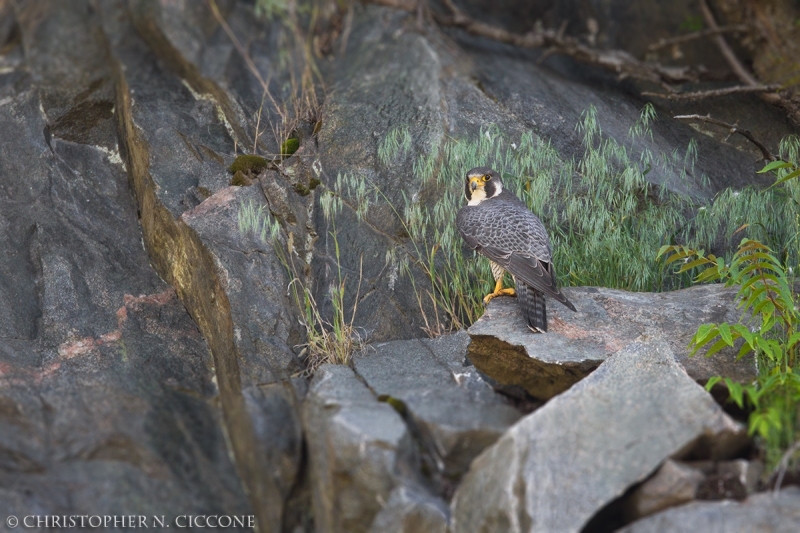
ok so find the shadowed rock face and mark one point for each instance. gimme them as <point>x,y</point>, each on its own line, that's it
<point>148,343</point>
<point>106,384</point>
<point>607,320</point>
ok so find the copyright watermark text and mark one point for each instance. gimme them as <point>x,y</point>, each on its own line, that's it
<point>131,521</point>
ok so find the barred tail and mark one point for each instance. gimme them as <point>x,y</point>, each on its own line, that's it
<point>533,305</point>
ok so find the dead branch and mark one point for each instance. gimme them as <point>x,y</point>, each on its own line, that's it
<point>784,465</point>
<point>624,64</point>
<point>741,72</point>
<point>698,95</point>
<point>733,129</point>
<point>663,43</point>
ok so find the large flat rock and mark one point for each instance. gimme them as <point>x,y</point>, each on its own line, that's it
<point>766,513</point>
<point>455,411</point>
<point>607,320</point>
<point>557,467</point>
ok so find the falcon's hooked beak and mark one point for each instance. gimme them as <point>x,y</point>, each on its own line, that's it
<point>475,182</point>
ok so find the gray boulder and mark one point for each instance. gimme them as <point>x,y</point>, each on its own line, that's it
<point>766,512</point>
<point>558,466</point>
<point>359,451</point>
<point>607,320</point>
<point>455,412</point>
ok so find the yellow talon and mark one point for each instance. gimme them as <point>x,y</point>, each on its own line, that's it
<point>499,291</point>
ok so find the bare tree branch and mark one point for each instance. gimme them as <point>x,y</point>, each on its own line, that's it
<point>624,64</point>
<point>621,62</point>
<point>663,43</point>
<point>741,72</point>
<point>698,95</point>
<point>733,129</point>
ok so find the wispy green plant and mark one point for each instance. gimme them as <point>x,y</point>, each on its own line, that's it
<point>396,143</point>
<point>604,217</point>
<point>327,341</point>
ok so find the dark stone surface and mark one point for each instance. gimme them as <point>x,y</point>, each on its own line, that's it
<point>108,394</point>
<point>607,320</point>
<point>557,467</point>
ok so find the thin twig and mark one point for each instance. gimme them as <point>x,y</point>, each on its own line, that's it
<point>663,43</point>
<point>784,464</point>
<point>713,93</point>
<point>733,128</point>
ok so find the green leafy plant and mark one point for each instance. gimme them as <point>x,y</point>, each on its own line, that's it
<point>769,330</point>
<point>770,333</point>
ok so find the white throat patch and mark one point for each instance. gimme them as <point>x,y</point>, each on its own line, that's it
<point>479,195</point>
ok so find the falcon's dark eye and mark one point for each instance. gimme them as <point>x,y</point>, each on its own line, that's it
<point>487,177</point>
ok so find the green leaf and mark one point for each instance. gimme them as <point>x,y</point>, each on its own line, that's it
<point>716,347</point>
<point>774,165</point>
<point>735,391</point>
<point>787,177</point>
<point>793,340</point>
<point>744,350</point>
<point>766,347</point>
<point>711,382</point>
<point>725,333</point>
<point>696,263</point>
<point>704,334</point>
<point>664,249</point>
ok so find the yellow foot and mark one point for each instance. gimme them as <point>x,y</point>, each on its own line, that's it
<point>498,291</point>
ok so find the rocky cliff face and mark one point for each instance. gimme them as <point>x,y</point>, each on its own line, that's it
<point>150,343</point>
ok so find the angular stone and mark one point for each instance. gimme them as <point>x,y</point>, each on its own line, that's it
<point>411,509</point>
<point>359,450</point>
<point>555,468</point>
<point>457,414</point>
<point>765,512</point>
<point>746,472</point>
<point>675,483</point>
<point>606,321</point>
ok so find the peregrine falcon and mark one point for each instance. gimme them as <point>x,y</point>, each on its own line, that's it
<point>499,226</point>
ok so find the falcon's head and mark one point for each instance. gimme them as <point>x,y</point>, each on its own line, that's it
<point>482,183</point>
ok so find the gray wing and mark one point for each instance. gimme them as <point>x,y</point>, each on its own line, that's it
<point>510,235</point>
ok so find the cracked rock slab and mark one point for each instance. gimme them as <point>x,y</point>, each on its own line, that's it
<point>455,412</point>
<point>359,450</point>
<point>607,320</point>
<point>635,411</point>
